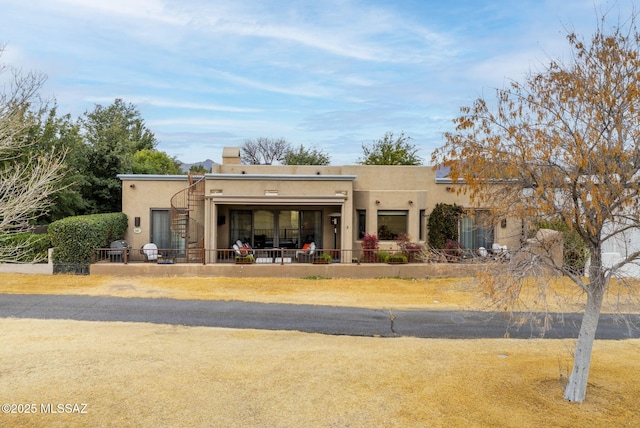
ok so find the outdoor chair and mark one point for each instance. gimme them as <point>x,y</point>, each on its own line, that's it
<point>306,253</point>
<point>150,252</point>
<point>242,249</point>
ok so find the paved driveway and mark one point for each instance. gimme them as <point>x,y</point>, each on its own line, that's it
<point>306,318</point>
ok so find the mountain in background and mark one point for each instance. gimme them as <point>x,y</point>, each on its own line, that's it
<point>206,164</point>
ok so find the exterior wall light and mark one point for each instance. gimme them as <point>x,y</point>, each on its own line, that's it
<point>410,202</point>
<point>377,202</point>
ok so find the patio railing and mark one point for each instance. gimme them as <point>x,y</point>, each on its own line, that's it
<point>287,256</point>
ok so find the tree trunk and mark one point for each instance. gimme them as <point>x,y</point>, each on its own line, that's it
<point>576,389</point>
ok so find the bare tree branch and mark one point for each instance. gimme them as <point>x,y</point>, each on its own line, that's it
<point>25,185</point>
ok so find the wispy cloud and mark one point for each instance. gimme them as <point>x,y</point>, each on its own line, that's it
<point>333,72</point>
<point>172,104</point>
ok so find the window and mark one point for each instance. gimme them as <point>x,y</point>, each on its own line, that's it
<point>263,228</point>
<point>240,226</point>
<point>391,224</point>
<point>362,223</point>
<point>288,229</point>
<point>276,228</point>
<point>311,227</point>
<point>476,230</point>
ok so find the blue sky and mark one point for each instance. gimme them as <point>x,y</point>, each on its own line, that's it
<point>333,74</point>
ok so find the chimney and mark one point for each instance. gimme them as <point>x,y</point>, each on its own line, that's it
<point>231,156</point>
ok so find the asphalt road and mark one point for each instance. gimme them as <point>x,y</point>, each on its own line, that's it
<point>331,320</point>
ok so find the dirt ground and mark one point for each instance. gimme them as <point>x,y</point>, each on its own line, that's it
<point>137,374</point>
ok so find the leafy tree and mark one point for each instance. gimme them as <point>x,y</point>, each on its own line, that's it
<point>155,162</point>
<point>566,141</point>
<point>113,135</point>
<point>390,151</point>
<point>26,184</point>
<point>302,156</point>
<point>198,169</point>
<point>50,133</point>
<point>264,151</point>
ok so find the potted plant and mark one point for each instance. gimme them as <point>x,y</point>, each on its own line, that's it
<point>324,259</point>
<point>246,260</point>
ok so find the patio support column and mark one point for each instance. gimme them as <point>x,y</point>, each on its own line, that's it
<point>211,236</point>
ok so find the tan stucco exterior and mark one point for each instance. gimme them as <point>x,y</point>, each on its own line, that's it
<point>343,190</point>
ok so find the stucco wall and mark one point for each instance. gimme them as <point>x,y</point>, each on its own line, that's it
<point>370,188</point>
<point>302,270</point>
<point>140,196</point>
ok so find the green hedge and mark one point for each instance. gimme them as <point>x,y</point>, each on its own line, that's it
<point>35,246</point>
<point>75,238</point>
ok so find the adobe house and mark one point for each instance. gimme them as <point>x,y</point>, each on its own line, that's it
<point>284,207</point>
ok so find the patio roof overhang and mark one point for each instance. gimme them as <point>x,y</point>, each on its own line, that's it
<point>280,177</point>
<point>277,200</point>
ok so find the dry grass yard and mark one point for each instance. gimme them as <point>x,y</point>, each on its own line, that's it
<point>135,374</point>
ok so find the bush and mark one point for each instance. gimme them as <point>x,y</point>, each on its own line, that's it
<point>382,256</point>
<point>443,224</point>
<point>75,238</point>
<point>453,251</point>
<point>370,246</point>
<point>27,247</point>
<point>397,258</point>
<point>411,250</point>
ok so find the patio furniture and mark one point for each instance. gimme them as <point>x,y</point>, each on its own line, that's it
<point>306,253</point>
<point>150,252</point>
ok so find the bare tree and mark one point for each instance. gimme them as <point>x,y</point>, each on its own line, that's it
<point>564,145</point>
<point>25,185</point>
<point>264,151</point>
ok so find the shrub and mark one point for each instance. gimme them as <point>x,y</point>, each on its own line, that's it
<point>75,238</point>
<point>326,257</point>
<point>453,251</point>
<point>27,247</point>
<point>397,258</point>
<point>381,256</point>
<point>443,224</point>
<point>411,250</point>
<point>370,246</point>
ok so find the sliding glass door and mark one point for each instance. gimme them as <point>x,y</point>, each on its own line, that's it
<point>276,228</point>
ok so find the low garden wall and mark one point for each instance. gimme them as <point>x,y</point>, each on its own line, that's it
<point>294,270</point>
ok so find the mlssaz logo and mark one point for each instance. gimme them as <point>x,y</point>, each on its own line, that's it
<point>63,408</point>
